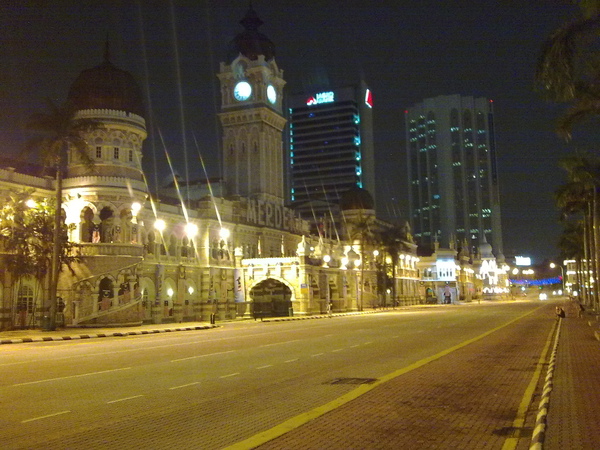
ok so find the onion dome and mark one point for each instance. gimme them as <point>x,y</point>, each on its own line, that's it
<point>356,198</point>
<point>107,87</point>
<point>250,42</point>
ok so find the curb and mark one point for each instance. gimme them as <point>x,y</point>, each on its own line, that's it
<point>539,431</point>
<point>323,316</point>
<point>101,335</point>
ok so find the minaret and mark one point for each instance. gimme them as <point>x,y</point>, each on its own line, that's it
<point>251,116</point>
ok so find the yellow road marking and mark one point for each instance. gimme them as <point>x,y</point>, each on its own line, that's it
<point>511,442</point>
<point>301,419</point>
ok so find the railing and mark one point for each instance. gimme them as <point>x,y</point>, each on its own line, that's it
<point>111,310</point>
<point>109,249</point>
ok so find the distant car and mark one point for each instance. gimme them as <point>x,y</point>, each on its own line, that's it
<point>543,296</point>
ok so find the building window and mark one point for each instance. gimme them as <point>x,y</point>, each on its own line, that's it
<point>116,152</point>
<point>25,300</point>
<point>98,152</point>
<point>130,155</point>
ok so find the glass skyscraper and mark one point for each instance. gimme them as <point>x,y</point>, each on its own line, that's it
<point>453,177</point>
<point>330,147</point>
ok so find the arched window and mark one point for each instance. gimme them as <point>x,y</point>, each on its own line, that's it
<point>107,224</point>
<point>25,300</point>
<point>105,294</point>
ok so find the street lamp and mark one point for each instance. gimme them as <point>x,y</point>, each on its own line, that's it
<point>562,274</point>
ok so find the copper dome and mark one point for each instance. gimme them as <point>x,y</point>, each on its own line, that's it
<point>107,87</point>
<point>356,198</point>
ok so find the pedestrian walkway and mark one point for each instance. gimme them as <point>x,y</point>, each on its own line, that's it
<point>68,334</point>
<point>574,406</point>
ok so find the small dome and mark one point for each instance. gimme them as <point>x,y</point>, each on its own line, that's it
<point>250,42</point>
<point>356,198</point>
<point>107,87</point>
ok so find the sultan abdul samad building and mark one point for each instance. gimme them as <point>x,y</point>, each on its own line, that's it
<point>244,254</point>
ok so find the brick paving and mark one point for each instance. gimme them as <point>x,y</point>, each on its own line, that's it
<point>574,407</point>
<point>467,399</point>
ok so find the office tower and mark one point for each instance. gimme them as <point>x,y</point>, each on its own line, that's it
<point>453,179</point>
<point>331,147</point>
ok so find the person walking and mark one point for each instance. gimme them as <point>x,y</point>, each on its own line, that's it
<point>580,309</point>
<point>560,313</point>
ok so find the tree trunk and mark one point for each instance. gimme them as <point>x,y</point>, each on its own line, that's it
<point>55,266</point>
<point>594,262</point>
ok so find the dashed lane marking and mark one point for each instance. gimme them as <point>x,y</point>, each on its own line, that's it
<point>202,356</point>
<point>71,376</point>
<point>44,417</point>
<point>184,385</point>
<point>124,399</point>
<point>230,375</point>
<point>264,367</point>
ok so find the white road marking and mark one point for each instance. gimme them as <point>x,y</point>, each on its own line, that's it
<point>71,376</point>
<point>367,343</point>
<point>316,354</point>
<point>279,343</point>
<point>123,399</point>
<point>45,417</point>
<point>184,385</point>
<point>230,375</point>
<point>291,360</point>
<point>264,367</point>
<point>337,350</point>
<point>354,346</point>
<point>202,356</point>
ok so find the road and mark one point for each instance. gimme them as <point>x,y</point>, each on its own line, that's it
<point>210,389</point>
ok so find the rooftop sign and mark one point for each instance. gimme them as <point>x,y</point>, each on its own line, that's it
<point>322,97</point>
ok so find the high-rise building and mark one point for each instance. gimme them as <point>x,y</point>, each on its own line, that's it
<point>331,147</point>
<point>453,178</point>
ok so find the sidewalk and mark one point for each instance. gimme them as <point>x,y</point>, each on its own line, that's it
<point>73,333</point>
<point>67,334</point>
<point>574,404</point>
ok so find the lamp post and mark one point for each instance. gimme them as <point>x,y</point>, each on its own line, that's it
<point>562,274</point>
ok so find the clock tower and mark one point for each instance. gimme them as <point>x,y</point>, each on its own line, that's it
<point>251,116</point>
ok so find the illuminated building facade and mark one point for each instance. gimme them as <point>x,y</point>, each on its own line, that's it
<point>453,178</point>
<point>330,148</point>
<point>243,254</point>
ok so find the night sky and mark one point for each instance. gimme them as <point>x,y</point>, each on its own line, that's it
<point>405,50</point>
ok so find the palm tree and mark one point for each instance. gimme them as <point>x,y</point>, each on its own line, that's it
<point>578,199</point>
<point>26,232</point>
<point>568,69</point>
<point>571,246</point>
<point>362,230</point>
<point>392,241</point>
<point>60,130</point>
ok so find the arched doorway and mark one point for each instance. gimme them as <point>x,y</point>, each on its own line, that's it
<point>271,298</point>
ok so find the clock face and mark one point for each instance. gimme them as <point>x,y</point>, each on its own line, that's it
<point>271,94</point>
<point>242,91</point>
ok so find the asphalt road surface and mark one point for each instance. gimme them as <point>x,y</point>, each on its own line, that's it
<point>211,389</point>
